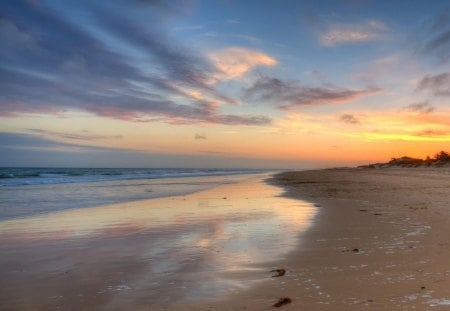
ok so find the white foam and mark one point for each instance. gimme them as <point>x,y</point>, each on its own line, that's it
<point>439,302</point>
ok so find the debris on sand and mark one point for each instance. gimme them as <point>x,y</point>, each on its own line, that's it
<point>355,250</point>
<point>279,272</point>
<point>282,301</point>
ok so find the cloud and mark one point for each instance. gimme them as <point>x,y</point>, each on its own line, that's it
<point>422,107</point>
<point>433,133</point>
<point>248,38</point>
<point>243,120</point>
<point>395,124</point>
<point>288,95</point>
<point>438,85</point>
<point>187,28</point>
<point>19,150</point>
<point>338,34</point>
<point>74,136</point>
<point>405,136</point>
<point>245,37</point>
<point>349,119</point>
<point>179,64</point>
<point>434,37</point>
<point>234,62</point>
<point>35,142</point>
<point>115,61</point>
<point>200,136</point>
<point>140,110</point>
<point>442,40</point>
<point>10,34</point>
<point>129,107</point>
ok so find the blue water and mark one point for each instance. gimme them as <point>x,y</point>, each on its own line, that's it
<point>30,191</point>
<point>37,176</point>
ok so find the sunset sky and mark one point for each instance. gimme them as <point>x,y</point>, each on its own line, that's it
<point>276,84</point>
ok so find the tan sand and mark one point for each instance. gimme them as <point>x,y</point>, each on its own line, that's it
<point>381,241</point>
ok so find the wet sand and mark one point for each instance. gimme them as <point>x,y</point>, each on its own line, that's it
<point>380,241</point>
<point>151,254</point>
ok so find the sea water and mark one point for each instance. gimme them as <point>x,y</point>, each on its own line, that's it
<point>31,191</point>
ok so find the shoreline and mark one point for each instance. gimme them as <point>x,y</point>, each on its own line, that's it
<point>54,198</point>
<point>380,240</point>
<point>149,254</point>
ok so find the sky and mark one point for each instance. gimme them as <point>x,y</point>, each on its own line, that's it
<point>235,84</point>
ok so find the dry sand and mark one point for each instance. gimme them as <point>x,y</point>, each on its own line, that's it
<point>381,241</point>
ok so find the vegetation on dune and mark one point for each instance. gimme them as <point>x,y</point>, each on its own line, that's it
<point>442,158</point>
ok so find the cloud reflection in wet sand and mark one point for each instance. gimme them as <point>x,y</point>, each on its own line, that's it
<point>153,252</point>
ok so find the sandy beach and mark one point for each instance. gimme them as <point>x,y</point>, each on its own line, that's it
<point>376,240</point>
<point>379,242</point>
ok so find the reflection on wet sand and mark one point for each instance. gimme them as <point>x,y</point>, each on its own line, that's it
<point>148,253</point>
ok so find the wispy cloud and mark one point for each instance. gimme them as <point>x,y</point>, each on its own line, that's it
<point>339,33</point>
<point>200,136</point>
<point>23,141</point>
<point>11,34</point>
<point>234,62</point>
<point>422,107</point>
<point>434,133</point>
<point>396,69</point>
<point>286,94</point>
<point>438,85</point>
<point>349,119</point>
<point>396,125</point>
<point>50,153</point>
<point>389,125</point>
<point>434,37</point>
<point>249,38</point>
<point>72,136</point>
<point>242,36</point>
<point>106,64</point>
<point>187,28</point>
<point>404,136</point>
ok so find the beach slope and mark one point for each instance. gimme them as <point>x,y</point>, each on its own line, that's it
<point>380,241</point>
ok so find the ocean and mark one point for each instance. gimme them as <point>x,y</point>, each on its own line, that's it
<point>30,191</point>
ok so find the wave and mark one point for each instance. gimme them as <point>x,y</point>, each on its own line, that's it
<point>38,176</point>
